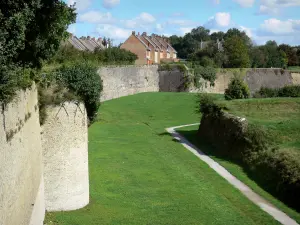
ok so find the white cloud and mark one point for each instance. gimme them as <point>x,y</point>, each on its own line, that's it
<point>80,4</point>
<point>247,30</point>
<point>223,19</point>
<point>278,27</point>
<point>220,20</point>
<point>114,32</point>
<point>108,4</point>
<point>184,30</point>
<point>142,21</point>
<point>274,6</point>
<point>96,17</point>
<point>146,18</point>
<point>287,31</point>
<point>159,27</point>
<point>72,29</point>
<point>245,3</point>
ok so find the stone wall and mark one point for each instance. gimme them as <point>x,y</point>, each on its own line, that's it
<point>255,78</point>
<point>128,80</point>
<point>65,156</point>
<point>21,186</point>
<point>296,78</point>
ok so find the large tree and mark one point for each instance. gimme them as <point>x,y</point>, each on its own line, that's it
<point>217,36</point>
<point>237,52</point>
<point>291,53</point>
<point>32,30</point>
<point>234,32</point>
<point>200,34</point>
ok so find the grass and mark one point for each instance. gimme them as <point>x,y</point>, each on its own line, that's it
<point>279,116</point>
<point>140,175</point>
<point>294,68</point>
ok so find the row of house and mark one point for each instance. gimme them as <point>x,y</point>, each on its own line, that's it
<point>86,43</point>
<point>150,49</point>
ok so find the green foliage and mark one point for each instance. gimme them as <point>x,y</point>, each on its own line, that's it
<point>287,91</point>
<point>237,89</point>
<point>26,40</point>
<point>237,52</point>
<point>207,73</point>
<point>208,105</point>
<point>84,81</point>
<point>111,56</point>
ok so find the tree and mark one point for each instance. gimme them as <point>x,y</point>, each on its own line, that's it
<point>236,32</point>
<point>31,31</point>
<point>217,36</point>
<point>200,34</point>
<point>291,53</point>
<point>237,52</point>
<point>274,56</point>
<point>257,57</point>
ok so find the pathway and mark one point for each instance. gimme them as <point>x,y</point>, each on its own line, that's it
<point>255,198</point>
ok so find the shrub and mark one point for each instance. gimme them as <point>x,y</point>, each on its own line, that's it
<point>84,81</point>
<point>237,89</point>
<point>287,91</point>
<point>207,105</point>
<point>265,92</point>
<point>207,73</point>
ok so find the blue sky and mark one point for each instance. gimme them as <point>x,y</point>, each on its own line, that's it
<point>262,19</point>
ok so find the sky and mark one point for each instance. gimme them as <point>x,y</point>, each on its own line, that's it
<point>262,20</point>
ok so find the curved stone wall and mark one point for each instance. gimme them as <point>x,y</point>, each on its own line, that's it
<point>65,157</point>
<point>21,176</point>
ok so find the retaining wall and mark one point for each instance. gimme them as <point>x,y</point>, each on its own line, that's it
<point>65,157</point>
<point>128,80</point>
<point>21,170</point>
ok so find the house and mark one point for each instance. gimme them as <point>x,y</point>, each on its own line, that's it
<point>85,43</point>
<point>150,49</point>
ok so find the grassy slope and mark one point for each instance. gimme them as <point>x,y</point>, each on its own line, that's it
<point>279,116</point>
<point>139,175</point>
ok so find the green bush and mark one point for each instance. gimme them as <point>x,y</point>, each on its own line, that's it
<point>83,80</point>
<point>287,91</point>
<point>237,89</point>
<point>207,105</point>
<point>111,56</point>
<point>277,170</point>
<point>207,73</point>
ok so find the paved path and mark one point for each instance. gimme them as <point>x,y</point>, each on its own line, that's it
<point>258,200</point>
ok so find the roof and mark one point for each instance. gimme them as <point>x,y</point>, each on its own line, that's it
<point>158,44</point>
<point>140,39</point>
<point>84,43</point>
<point>146,40</point>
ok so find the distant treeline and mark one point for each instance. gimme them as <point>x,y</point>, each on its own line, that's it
<point>237,50</point>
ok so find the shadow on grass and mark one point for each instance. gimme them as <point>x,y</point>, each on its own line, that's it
<point>213,152</point>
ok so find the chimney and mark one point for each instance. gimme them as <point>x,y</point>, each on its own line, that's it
<point>133,32</point>
<point>88,37</point>
<point>144,34</point>
<point>94,39</point>
<point>100,39</point>
<point>138,33</point>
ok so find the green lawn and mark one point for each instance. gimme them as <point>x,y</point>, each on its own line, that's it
<point>279,116</point>
<point>140,175</point>
<point>294,68</point>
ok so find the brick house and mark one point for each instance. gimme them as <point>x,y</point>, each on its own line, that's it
<point>150,49</point>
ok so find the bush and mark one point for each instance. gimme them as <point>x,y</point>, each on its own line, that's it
<point>207,105</point>
<point>83,80</point>
<point>237,89</point>
<point>287,91</point>
<point>207,73</point>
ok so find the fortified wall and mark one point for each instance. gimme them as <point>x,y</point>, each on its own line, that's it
<point>41,168</point>
<point>128,80</point>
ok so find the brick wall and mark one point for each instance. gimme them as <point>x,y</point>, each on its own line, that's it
<point>135,46</point>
